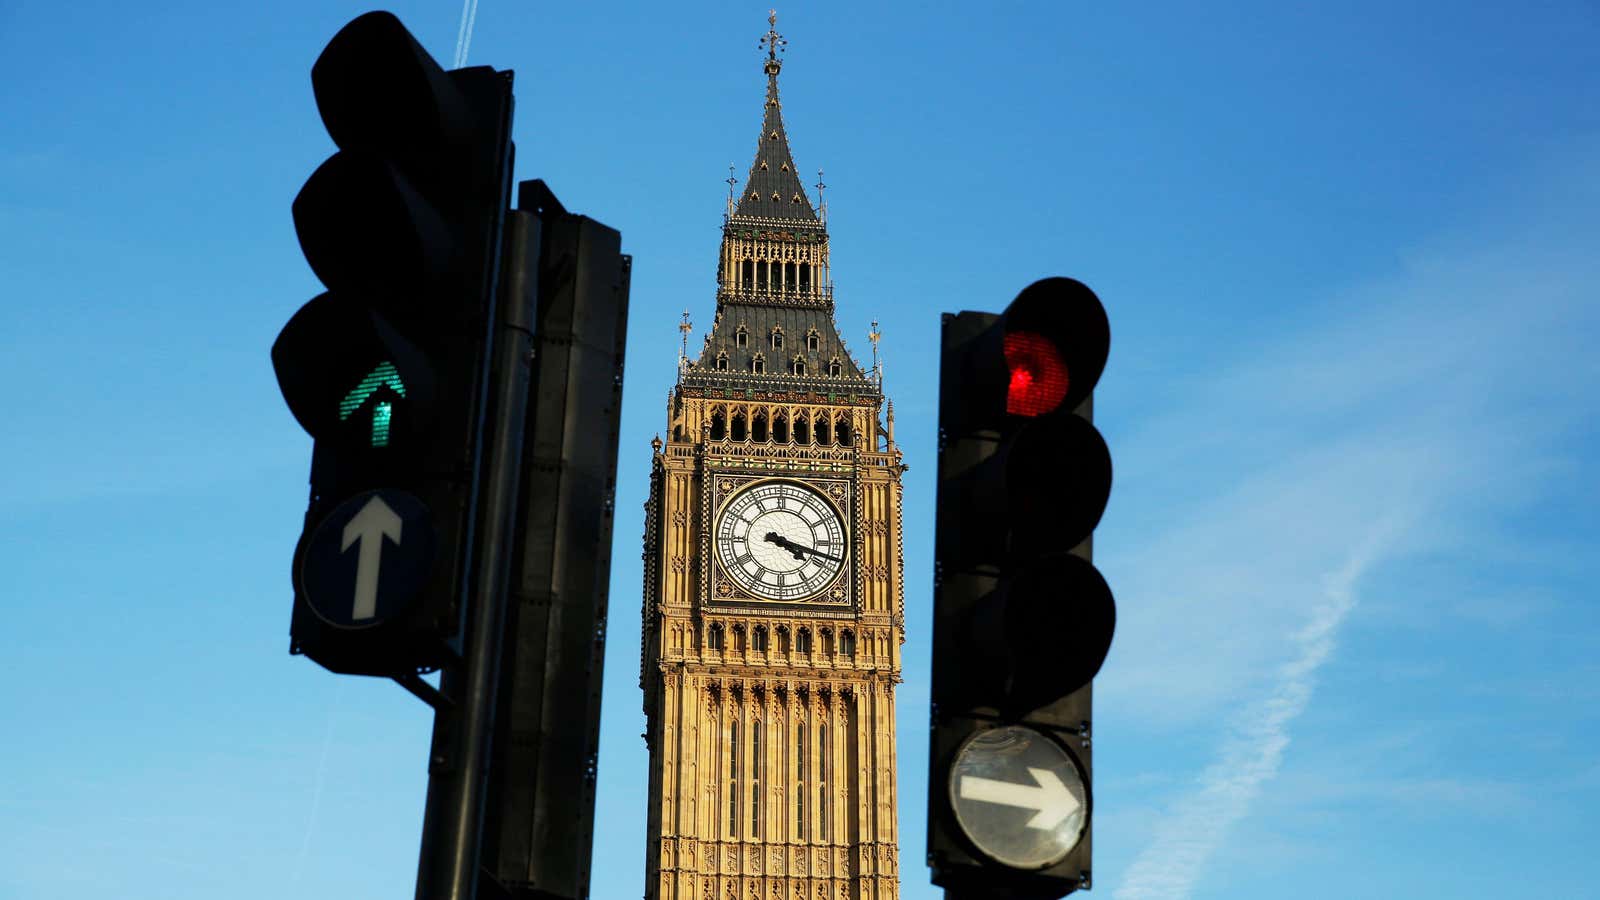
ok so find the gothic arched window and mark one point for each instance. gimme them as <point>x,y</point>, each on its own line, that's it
<point>755,779</point>
<point>733,778</point>
<point>822,781</point>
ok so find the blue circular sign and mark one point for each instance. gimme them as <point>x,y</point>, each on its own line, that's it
<point>366,562</point>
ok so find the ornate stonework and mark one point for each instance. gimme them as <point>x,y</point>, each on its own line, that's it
<point>771,721</point>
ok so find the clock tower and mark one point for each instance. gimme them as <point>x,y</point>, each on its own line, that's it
<point>773,586</point>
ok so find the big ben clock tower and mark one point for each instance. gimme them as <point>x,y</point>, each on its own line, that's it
<point>773,587</point>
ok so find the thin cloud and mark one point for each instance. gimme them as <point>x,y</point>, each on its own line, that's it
<point>1414,420</point>
<point>469,18</point>
<point>1171,865</point>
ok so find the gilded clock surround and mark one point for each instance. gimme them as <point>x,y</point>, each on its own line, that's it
<point>770,724</point>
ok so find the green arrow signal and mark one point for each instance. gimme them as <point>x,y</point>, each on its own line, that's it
<point>382,376</point>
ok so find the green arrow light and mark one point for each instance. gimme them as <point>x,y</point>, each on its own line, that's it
<point>382,376</point>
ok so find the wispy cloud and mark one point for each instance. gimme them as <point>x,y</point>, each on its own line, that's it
<point>316,788</point>
<point>469,18</point>
<point>1411,415</point>
<point>1253,752</point>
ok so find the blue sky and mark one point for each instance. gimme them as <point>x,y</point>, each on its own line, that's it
<point>1349,259</point>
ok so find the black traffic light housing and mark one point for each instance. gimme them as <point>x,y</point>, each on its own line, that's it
<point>387,370</point>
<point>1022,619</point>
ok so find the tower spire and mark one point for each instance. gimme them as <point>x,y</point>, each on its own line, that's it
<point>773,189</point>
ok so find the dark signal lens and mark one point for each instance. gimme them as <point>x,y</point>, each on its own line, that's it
<point>1038,374</point>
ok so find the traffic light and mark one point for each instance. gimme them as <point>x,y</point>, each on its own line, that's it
<point>387,369</point>
<point>1022,619</point>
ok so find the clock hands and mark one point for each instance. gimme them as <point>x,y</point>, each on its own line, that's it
<point>798,551</point>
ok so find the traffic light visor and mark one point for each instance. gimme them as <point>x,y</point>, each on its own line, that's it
<point>378,90</point>
<point>1056,338</point>
<point>342,366</point>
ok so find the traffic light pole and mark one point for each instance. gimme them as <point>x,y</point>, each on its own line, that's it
<point>463,727</point>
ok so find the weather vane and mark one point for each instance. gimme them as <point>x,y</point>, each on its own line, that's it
<point>772,39</point>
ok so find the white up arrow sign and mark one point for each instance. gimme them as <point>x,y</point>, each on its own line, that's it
<point>1050,799</point>
<point>370,526</point>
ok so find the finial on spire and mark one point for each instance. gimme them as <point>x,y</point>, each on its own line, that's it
<point>875,336</point>
<point>822,205</point>
<point>774,43</point>
<point>732,182</point>
<point>685,327</point>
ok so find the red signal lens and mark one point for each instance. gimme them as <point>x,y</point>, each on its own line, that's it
<point>1038,374</point>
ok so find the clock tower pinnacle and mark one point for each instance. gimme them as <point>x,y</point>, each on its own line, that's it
<point>773,605</point>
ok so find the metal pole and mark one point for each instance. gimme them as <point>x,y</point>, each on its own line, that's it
<point>458,770</point>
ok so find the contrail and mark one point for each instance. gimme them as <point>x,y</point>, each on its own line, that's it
<point>1251,755</point>
<point>469,15</point>
<point>316,791</point>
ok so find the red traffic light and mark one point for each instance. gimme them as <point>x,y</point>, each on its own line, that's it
<point>1055,343</point>
<point>1039,376</point>
<point>1041,357</point>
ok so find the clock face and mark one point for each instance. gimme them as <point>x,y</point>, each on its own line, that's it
<point>781,540</point>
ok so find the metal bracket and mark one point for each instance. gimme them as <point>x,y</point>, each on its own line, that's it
<point>424,691</point>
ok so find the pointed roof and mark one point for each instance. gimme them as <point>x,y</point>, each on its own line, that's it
<point>791,333</point>
<point>773,189</point>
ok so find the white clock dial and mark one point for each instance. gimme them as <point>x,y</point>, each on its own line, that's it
<point>781,540</point>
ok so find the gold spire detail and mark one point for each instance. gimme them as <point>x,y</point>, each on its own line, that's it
<point>774,43</point>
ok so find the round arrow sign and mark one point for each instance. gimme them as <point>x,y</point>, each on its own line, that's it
<point>366,561</point>
<point>1019,796</point>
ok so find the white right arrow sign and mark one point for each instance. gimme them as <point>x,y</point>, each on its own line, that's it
<point>1049,798</point>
